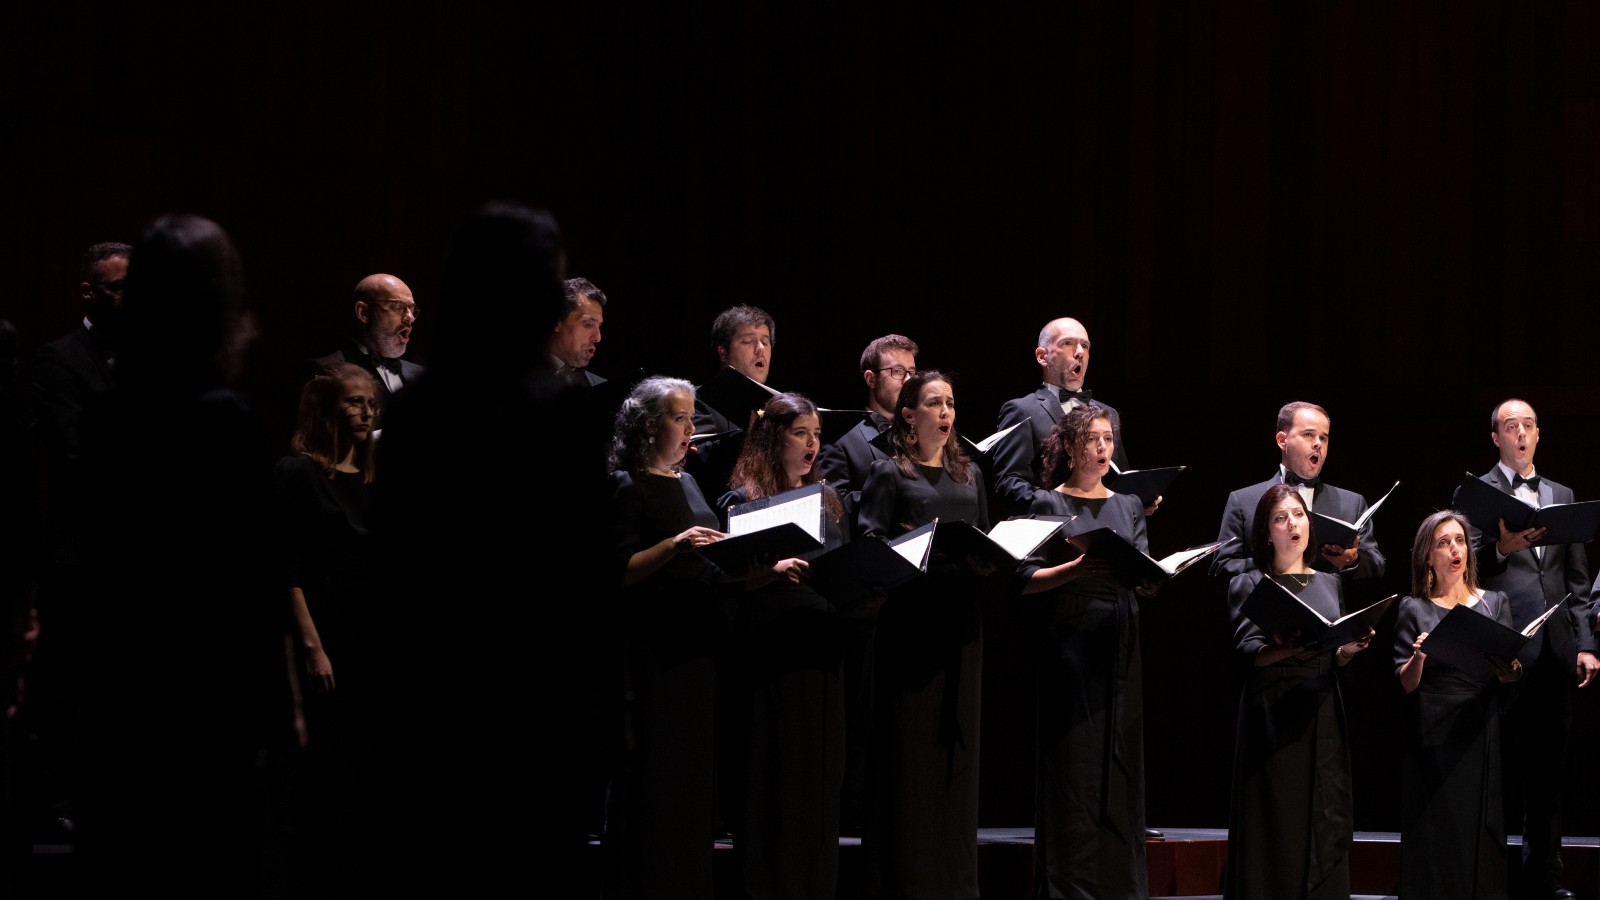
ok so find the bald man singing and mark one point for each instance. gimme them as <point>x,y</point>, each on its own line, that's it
<point>385,314</point>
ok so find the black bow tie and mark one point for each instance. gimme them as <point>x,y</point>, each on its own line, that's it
<point>392,363</point>
<point>1080,396</point>
<point>1289,477</point>
<point>1518,481</point>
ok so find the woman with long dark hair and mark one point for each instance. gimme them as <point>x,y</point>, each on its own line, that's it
<point>1292,815</point>
<point>788,716</point>
<point>920,838</point>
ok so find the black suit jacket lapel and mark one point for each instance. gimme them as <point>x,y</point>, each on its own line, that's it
<point>1051,402</point>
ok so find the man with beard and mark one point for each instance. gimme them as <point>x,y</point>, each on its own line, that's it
<point>1561,656</point>
<point>1303,442</point>
<point>385,315</point>
<point>1063,354</point>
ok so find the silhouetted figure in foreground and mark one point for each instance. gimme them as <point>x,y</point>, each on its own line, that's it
<point>186,619</point>
<point>484,509</point>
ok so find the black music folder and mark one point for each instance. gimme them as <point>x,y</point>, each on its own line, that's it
<point>1146,484</point>
<point>1005,545</point>
<point>978,450</point>
<point>778,527</point>
<point>1132,566</point>
<point>1276,610</point>
<point>1485,505</point>
<point>734,395</point>
<point>733,554</point>
<point>847,573</point>
<point>1466,638</point>
<point>1330,530</point>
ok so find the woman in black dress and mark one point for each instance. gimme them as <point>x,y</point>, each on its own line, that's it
<point>322,496</point>
<point>1452,830</point>
<point>1089,812</point>
<point>660,825</point>
<point>1292,819</point>
<point>920,835</point>
<point>789,710</point>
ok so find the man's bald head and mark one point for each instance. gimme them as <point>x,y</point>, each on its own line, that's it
<point>386,311</point>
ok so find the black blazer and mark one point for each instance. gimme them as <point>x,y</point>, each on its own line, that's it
<point>1532,583</point>
<point>352,353</point>
<point>1326,499</point>
<point>843,465</point>
<point>67,373</point>
<point>1017,466</point>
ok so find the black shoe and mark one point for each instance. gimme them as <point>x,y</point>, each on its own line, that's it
<point>1563,894</point>
<point>1150,834</point>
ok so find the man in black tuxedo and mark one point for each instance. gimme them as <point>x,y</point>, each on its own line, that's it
<point>1063,354</point>
<point>1562,654</point>
<point>574,340</point>
<point>885,365</point>
<point>385,314</point>
<point>1303,442</point>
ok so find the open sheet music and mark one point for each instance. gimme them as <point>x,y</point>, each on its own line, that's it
<point>1567,523</point>
<point>1330,530</point>
<point>1276,610</point>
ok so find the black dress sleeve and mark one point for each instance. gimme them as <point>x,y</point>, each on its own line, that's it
<point>880,497</point>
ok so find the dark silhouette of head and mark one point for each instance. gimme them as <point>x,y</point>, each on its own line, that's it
<point>183,323</point>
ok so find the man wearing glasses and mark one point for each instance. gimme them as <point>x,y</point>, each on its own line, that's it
<point>885,365</point>
<point>385,315</point>
<point>1063,354</point>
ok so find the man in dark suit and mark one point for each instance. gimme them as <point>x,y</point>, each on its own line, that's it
<point>1063,354</point>
<point>742,337</point>
<point>885,365</point>
<point>1303,443</point>
<point>71,370</point>
<point>1538,718</point>
<point>575,338</point>
<point>67,375</point>
<point>385,314</point>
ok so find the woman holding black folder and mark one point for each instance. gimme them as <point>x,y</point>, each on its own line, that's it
<point>788,714</point>
<point>1089,811</point>
<point>1452,831</point>
<point>920,834</point>
<point>659,829</point>
<point>1291,819</point>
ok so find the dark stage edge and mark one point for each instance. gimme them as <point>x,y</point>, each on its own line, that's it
<point>1187,863</point>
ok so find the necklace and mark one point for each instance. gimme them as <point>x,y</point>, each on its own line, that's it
<point>1302,580</point>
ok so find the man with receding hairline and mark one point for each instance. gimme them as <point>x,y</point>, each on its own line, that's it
<point>1063,357</point>
<point>385,314</point>
<point>1560,657</point>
